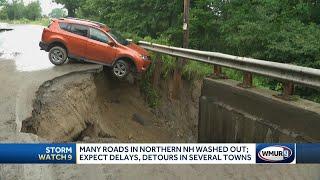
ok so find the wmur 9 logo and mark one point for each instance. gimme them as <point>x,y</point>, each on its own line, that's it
<point>275,153</point>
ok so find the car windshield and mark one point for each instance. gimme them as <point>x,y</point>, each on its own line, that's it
<point>115,35</point>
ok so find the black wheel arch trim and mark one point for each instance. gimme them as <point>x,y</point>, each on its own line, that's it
<point>51,44</point>
<point>123,58</point>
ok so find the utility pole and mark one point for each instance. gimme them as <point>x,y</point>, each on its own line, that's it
<point>177,76</point>
<point>186,21</point>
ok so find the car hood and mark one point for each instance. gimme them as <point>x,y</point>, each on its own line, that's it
<point>138,49</point>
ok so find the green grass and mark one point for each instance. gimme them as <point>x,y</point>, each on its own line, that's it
<point>195,70</point>
<point>152,95</point>
<point>257,81</point>
<point>42,21</point>
<point>232,74</point>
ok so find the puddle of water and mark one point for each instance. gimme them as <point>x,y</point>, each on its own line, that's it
<point>22,46</point>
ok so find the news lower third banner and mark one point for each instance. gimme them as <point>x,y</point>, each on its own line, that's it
<point>159,153</point>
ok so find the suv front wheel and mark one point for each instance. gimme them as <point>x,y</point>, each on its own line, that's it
<point>58,55</point>
<point>121,69</point>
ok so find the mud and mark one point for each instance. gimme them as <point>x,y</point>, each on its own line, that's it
<point>95,107</point>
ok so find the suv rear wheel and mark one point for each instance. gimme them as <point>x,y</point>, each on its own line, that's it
<point>58,55</point>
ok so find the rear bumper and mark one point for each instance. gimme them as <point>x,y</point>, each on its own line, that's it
<point>43,46</point>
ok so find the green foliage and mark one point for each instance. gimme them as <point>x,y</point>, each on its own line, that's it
<point>232,74</point>
<point>204,25</point>
<point>168,62</point>
<point>16,10</point>
<point>3,13</point>
<point>194,70</point>
<point>42,21</point>
<point>33,10</point>
<point>2,2</point>
<point>144,18</point>
<point>57,13</point>
<point>71,6</point>
<point>152,96</point>
<point>281,31</point>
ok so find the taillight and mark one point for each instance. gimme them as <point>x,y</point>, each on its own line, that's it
<point>45,30</point>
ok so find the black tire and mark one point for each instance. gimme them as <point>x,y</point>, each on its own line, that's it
<point>58,55</point>
<point>120,69</point>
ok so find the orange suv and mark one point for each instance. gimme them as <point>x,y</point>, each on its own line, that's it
<point>92,42</point>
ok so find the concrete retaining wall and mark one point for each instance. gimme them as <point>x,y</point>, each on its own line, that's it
<point>229,113</point>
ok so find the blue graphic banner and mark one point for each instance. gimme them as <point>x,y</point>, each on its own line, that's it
<point>308,153</point>
<point>38,153</point>
<point>199,153</point>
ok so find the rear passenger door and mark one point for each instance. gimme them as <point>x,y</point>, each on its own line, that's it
<point>98,48</point>
<point>77,40</point>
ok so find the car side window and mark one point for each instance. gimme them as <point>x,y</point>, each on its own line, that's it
<point>79,29</point>
<point>98,35</point>
<point>64,26</point>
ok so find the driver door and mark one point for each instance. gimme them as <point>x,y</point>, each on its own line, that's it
<point>98,48</point>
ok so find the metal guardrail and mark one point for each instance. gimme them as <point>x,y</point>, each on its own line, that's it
<point>285,72</point>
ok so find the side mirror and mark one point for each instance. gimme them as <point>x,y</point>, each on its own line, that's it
<point>112,44</point>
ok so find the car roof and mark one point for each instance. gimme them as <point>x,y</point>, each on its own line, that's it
<point>85,22</point>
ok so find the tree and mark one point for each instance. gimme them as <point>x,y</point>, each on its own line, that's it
<point>15,10</point>
<point>282,31</point>
<point>2,2</point>
<point>33,10</point>
<point>144,18</point>
<point>3,10</point>
<point>70,5</point>
<point>57,13</point>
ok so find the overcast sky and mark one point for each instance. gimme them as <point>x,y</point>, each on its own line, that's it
<point>46,5</point>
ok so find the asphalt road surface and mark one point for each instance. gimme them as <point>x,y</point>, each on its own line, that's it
<point>23,68</point>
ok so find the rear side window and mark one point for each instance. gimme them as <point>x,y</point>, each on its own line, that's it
<point>98,35</point>
<point>79,29</point>
<point>64,26</point>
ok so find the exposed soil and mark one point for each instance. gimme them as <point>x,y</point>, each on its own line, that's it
<point>94,107</point>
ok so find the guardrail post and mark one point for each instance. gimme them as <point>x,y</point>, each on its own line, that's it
<point>287,92</point>
<point>217,72</point>
<point>288,89</point>
<point>247,80</point>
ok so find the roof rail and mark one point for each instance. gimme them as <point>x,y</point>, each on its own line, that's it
<point>94,22</point>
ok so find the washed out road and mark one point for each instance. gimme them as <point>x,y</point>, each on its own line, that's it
<point>23,68</point>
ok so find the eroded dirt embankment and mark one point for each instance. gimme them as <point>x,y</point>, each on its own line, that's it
<point>94,107</point>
